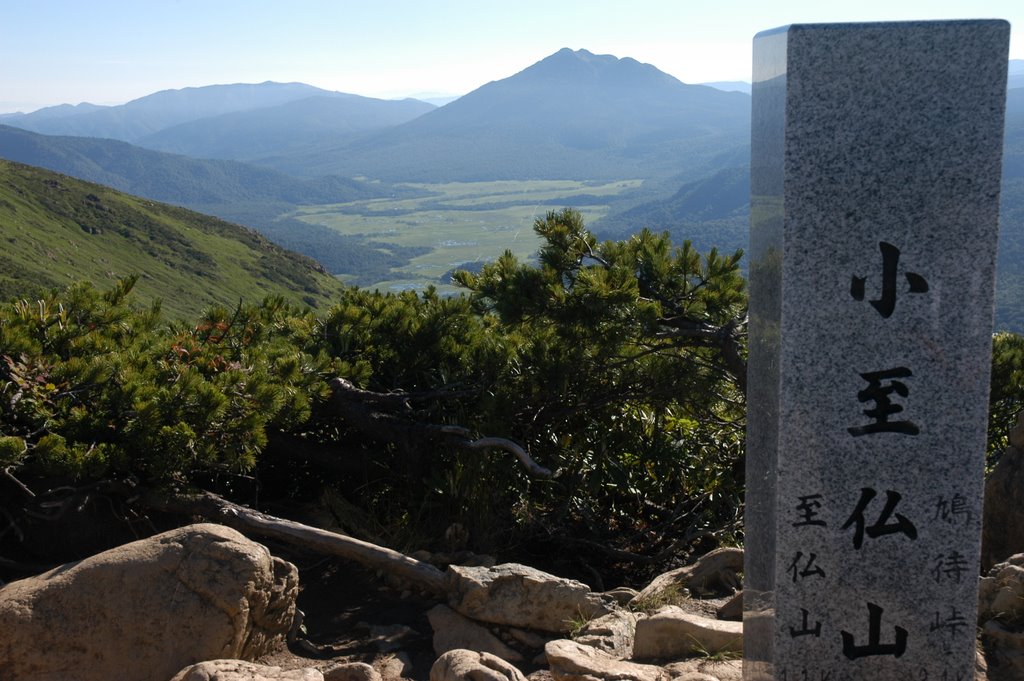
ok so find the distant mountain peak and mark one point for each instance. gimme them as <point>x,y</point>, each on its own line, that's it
<point>584,68</point>
<point>567,57</point>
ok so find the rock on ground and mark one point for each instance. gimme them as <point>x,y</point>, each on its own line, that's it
<point>521,596</point>
<point>713,572</point>
<point>1001,592</point>
<point>703,669</point>
<point>240,670</point>
<point>571,661</point>
<point>351,671</point>
<point>732,609</point>
<point>1001,616</point>
<point>469,665</point>
<point>146,610</point>
<point>673,633</point>
<point>611,633</point>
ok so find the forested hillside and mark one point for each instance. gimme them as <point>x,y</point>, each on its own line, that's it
<point>175,178</point>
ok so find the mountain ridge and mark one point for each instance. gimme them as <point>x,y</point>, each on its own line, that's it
<point>572,115</point>
<point>138,118</point>
<point>252,133</point>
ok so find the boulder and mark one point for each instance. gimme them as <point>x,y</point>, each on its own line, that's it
<point>520,596</point>
<point>240,670</point>
<point>351,671</point>
<point>714,572</point>
<point>572,661</point>
<point>1001,617</point>
<point>732,609</point>
<point>1001,592</point>
<point>1002,532</point>
<point>673,633</point>
<point>146,610</point>
<point>452,631</point>
<point>611,633</point>
<point>621,595</point>
<point>394,665</point>
<point>469,665</point>
<point>703,669</point>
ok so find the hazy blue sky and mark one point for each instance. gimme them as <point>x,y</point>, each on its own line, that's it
<point>111,51</point>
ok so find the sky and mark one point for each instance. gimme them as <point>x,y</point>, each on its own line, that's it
<point>112,51</point>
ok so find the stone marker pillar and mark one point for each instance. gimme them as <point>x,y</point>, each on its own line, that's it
<point>875,174</point>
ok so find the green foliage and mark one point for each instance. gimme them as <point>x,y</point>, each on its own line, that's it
<point>1006,393</point>
<point>91,387</point>
<point>617,380</point>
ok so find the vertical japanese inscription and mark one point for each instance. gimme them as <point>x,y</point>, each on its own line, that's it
<point>874,181</point>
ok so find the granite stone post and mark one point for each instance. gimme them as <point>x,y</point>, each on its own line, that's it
<point>875,174</point>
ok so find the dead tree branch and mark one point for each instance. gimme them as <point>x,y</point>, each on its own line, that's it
<point>727,339</point>
<point>250,522</point>
<point>368,412</point>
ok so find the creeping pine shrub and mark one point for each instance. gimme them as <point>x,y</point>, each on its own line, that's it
<point>91,387</point>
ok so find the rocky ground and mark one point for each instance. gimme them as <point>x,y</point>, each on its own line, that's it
<point>350,614</point>
<point>355,615</point>
<point>205,602</point>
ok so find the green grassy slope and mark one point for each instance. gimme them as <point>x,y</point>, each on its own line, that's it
<point>55,229</point>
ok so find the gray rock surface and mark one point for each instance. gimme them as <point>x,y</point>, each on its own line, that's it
<point>673,633</point>
<point>240,670</point>
<point>715,571</point>
<point>704,669</point>
<point>1000,616</point>
<point>146,610</point>
<point>351,671</point>
<point>611,633</point>
<point>468,665</point>
<point>1001,592</point>
<point>394,665</point>
<point>521,596</point>
<point>572,661</point>
<point>732,609</point>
